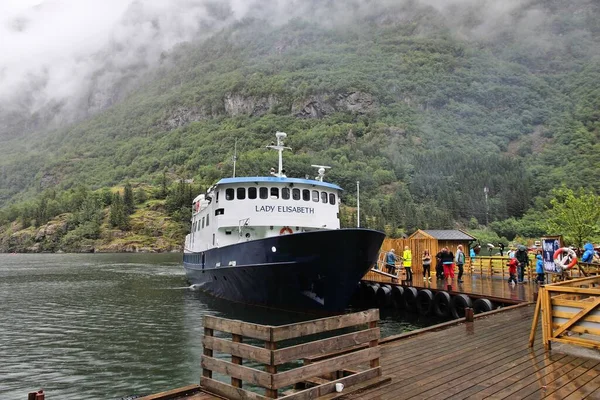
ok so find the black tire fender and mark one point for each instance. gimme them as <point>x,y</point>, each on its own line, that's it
<point>398,296</point>
<point>425,302</point>
<point>384,296</point>
<point>441,304</point>
<point>482,305</point>
<point>458,304</point>
<point>410,298</point>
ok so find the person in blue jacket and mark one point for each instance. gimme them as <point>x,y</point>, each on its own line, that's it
<point>588,254</point>
<point>390,261</point>
<point>539,269</point>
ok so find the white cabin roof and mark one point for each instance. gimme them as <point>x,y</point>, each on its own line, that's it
<point>275,179</point>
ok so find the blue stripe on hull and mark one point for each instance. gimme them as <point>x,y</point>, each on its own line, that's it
<point>312,271</point>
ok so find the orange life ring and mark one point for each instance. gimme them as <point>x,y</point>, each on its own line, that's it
<point>286,230</point>
<point>565,262</point>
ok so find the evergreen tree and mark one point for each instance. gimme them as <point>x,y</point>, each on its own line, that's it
<point>128,202</point>
<point>117,217</point>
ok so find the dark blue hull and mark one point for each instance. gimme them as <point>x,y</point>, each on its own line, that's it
<point>311,271</point>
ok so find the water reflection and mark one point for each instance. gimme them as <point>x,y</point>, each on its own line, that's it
<point>104,326</point>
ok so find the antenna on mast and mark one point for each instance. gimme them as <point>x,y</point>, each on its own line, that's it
<point>280,147</point>
<point>321,171</point>
<point>234,156</point>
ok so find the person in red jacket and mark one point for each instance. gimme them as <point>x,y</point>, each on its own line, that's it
<point>512,270</point>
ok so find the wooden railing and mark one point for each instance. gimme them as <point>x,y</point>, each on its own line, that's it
<point>569,313</point>
<point>349,366</point>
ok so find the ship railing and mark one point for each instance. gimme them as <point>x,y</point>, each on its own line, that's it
<point>570,313</point>
<point>281,359</point>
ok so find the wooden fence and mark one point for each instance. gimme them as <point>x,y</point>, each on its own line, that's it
<point>569,312</point>
<point>350,365</point>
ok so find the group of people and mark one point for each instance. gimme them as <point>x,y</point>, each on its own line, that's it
<point>391,259</point>
<point>445,261</point>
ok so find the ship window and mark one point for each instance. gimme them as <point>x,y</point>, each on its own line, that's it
<point>285,193</point>
<point>202,222</point>
<point>198,226</point>
<point>263,192</point>
<point>219,211</point>
<point>241,193</point>
<point>305,194</point>
<point>315,196</point>
<point>331,198</point>
<point>274,193</point>
<point>217,200</point>
<point>251,192</point>
<point>229,194</point>
<point>213,239</point>
<point>324,197</point>
<point>207,215</point>
<point>194,227</point>
<point>296,194</point>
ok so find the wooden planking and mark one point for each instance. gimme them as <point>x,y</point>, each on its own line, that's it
<point>229,392</point>
<point>242,350</point>
<point>290,377</point>
<point>487,358</point>
<point>566,314</point>
<point>329,387</point>
<point>246,374</point>
<point>245,329</point>
<point>324,346</point>
<point>323,325</point>
<point>174,394</point>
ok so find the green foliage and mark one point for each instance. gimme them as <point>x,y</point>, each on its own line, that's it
<point>574,214</point>
<point>447,117</point>
<point>128,201</point>
<point>118,217</point>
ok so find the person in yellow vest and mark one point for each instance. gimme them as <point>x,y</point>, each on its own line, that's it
<point>407,262</point>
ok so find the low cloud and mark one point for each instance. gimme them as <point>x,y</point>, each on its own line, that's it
<point>68,56</point>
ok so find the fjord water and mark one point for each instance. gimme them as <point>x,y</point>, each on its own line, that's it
<point>109,326</point>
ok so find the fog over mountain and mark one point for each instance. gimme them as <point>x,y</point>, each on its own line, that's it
<point>64,60</point>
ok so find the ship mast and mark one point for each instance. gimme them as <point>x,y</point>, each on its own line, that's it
<point>280,147</point>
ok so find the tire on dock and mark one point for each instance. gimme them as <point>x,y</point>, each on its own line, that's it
<point>441,304</point>
<point>482,305</point>
<point>369,294</point>
<point>384,296</point>
<point>410,298</point>
<point>458,304</point>
<point>398,296</point>
<point>425,302</point>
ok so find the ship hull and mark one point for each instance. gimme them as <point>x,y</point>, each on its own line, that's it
<point>312,271</point>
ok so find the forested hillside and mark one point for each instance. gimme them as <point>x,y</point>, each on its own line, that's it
<point>426,108</point>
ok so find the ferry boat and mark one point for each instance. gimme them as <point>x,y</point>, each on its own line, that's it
<point>276,241</point>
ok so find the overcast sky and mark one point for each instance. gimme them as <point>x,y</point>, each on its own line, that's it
<point>76,51</point>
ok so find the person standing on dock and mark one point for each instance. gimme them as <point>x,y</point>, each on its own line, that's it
<point>390,262</point>
<point>439,268</point>
<point>539,269</point>
<point>448,264</point>
<point>460,262</point>
<point>523,259</point>
<point>512,270</point>
<point>426,266</point>
<point>407,262</point>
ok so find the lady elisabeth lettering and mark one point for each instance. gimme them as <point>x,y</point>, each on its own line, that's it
<point>285,209</point>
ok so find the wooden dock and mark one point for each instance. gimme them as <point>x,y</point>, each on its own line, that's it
<point>488,358</point>
<point>474,285</point>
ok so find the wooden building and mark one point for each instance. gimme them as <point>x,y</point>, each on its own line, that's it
<point>433,240</point>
